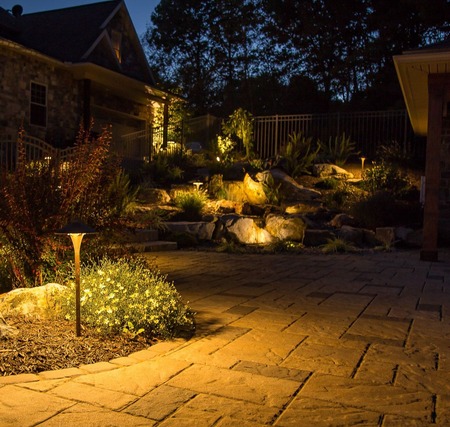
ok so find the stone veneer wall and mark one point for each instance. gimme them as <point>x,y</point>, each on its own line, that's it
<point>63,97</point>
<point>64,100</point>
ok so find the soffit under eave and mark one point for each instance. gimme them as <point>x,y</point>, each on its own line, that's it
<point>117,83</point>
<point>412,72</point>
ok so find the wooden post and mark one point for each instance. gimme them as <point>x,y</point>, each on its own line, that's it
<point>436,98</point>
<point>165,123</point>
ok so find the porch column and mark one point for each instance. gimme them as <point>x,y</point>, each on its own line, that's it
<point>165,124</point>
<point>436,98</point>
<point>86,104</point>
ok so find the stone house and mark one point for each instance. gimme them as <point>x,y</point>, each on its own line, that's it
<point>424,76</point>
<point>64,68</point>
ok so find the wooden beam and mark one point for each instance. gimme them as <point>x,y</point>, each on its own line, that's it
<point>437,88</point>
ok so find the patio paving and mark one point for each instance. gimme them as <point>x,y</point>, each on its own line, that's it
<point>282,340</point>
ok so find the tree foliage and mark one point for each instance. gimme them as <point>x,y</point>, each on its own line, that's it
<point>232,53</point>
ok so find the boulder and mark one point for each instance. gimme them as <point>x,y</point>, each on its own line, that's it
<point>370,238</point>
<point>201,230</point>
<point>298,208</point>
<point>316,237</point>
<point>286,228</point>
<point>245,230</point>
<point>38,302</point>
<point>327,170</point>
<point>290,189</point>
<point>410,237</point>
<point>351,234</point>
<point>254,191</point>
<point>342,219</point>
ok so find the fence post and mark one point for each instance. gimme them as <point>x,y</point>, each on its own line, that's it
<point>276,134</point>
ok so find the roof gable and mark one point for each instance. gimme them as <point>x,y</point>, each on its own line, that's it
<point>82,34</point>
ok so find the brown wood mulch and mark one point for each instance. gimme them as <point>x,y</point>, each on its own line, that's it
<point>43,345</point>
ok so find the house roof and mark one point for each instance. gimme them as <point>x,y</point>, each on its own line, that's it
<point>413,68</point>
<point>72,34</point>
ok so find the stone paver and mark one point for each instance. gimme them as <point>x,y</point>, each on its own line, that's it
<point>282,340</point>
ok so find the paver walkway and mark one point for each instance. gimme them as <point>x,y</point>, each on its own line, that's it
<point>282,340</point>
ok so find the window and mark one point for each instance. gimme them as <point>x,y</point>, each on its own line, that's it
<point>38,105</point>
<point>116,39</point>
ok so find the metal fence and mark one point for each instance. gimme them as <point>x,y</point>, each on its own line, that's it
<point>368,130</point>
<point>36,150</point>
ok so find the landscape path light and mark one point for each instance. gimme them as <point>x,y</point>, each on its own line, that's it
<point>76,230</point>
<point>363,159</point>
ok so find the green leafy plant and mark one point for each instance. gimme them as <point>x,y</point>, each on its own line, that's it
<point>272,190</point>
<point>328,184</point>
<point>285,246</point>
<point>337,245</point>
<point>381,209</point>
<point>386,177</point>
<point>191,203</point>
<point>393,153</point>
<point>167,167</point>
<point>216,188</point>
<point>225,146</point>
<point>342,196</point>
<point>338,150</point>
<point>299,154</point>
<point>121,195</point>
<point>126,296</point>
<point>230,247</point>
<point>240,124</point>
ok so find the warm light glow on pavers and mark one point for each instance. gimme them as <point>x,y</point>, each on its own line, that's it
<point>282,340</point>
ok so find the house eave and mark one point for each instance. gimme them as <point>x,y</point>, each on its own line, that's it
<point>413,69</point>
<point>117,83</point>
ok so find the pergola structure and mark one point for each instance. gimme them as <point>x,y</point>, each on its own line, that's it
<point>424,77</point>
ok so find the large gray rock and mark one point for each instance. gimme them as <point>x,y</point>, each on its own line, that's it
<point>41,301</point>
<point>327,170</point>
<point>342,219</point>
<point>201,229</point>
<point>286,228</point>
<point>289,188</point>
<point>352,234</point>
<point>316,237</point>
<point>245,230</point>
<point>410,237</point>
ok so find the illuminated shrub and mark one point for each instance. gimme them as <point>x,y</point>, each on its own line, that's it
<point>126,296</point>
<point>191,203</point>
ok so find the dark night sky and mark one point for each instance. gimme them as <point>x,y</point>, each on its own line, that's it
<point>140,10</point>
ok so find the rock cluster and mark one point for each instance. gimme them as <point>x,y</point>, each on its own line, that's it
<point>249,219</point>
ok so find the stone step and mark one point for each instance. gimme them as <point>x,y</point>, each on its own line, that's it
<point>152,246</point>
<point>140,236</point>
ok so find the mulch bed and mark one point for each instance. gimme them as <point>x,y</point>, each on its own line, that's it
<point>43,345</point>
